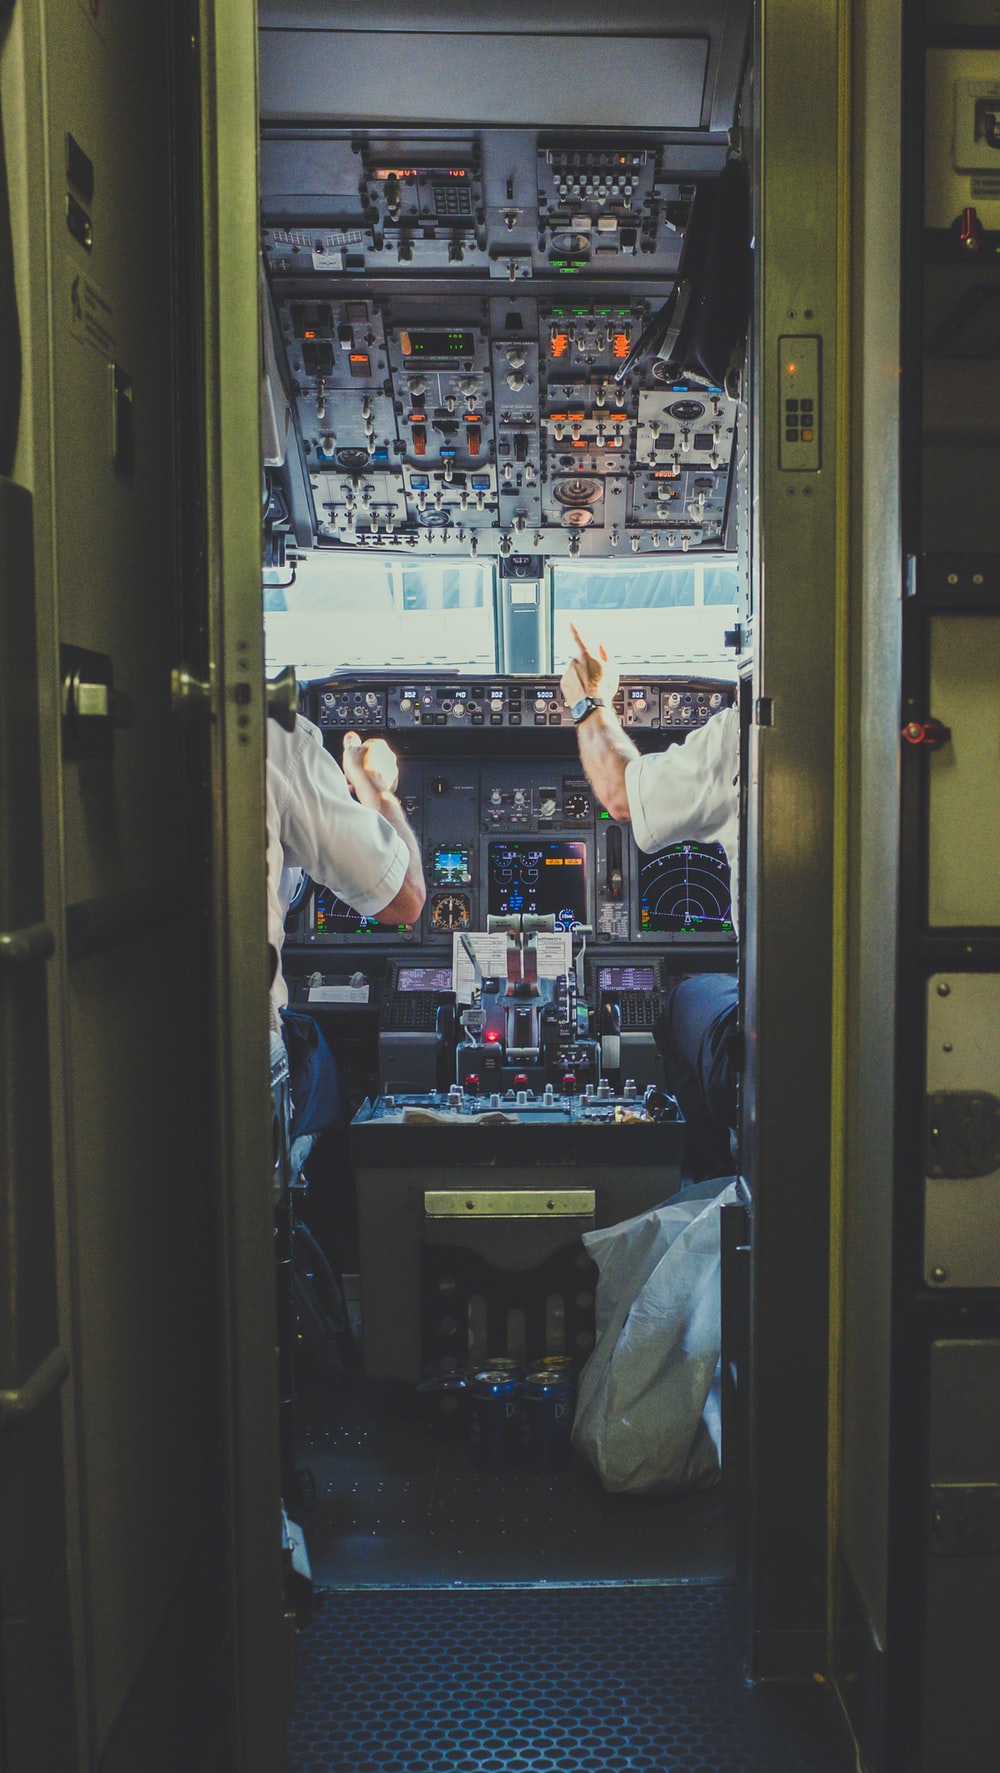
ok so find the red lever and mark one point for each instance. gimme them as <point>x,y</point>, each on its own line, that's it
<point>926,732</point>
<point>970,231</point>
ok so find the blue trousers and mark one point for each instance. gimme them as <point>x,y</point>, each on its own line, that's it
<point>697,1035</point>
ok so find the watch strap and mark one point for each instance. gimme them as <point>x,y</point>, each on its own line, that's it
<point>586,706</point>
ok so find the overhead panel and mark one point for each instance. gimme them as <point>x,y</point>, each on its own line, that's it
<point>473,330</point>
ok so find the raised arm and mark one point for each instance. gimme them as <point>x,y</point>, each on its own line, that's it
<point>373,772</point>
<point>605,749</point>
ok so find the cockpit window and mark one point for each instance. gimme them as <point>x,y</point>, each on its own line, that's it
<point>657,615</point>
<point>334,610</point>
<point>330,611</point>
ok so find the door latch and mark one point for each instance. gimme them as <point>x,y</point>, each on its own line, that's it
<point>92,709</point>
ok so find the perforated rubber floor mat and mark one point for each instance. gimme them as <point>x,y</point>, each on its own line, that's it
<point>641,1680</point>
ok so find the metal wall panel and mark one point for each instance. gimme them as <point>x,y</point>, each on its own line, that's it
<point>962,1181</point>
<point>961,1708</point>
<point>516,80</point>
<point>964,835</point>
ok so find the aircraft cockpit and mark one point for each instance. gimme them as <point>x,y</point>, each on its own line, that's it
<point>505,400</point>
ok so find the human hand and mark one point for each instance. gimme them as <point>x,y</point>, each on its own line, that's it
<point>371,766</point>
<point>588,674</point>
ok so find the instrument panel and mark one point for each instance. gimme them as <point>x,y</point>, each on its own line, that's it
<point>507,821</point>
<point>404,705</point>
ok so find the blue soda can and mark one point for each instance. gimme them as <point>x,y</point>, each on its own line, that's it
<point>503,1363</point>
<point>546,1419</point>
<point>563,1364</point>
<point>494,1419</point>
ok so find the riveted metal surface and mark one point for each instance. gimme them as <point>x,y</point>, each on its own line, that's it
<point>542,1681</point>
<point>397,1506</point>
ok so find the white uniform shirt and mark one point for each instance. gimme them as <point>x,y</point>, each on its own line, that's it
<point>315,825</point>
<point>692,791</point>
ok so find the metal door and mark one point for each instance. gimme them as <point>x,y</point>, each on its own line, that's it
<point>148,1256</point>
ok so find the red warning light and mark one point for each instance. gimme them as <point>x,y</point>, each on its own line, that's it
<point>560,344</point>
<point>621,344</point>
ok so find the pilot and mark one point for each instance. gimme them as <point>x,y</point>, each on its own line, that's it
<point>358,844</point>
<point>690,790</point>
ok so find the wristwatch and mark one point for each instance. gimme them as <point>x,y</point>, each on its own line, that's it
<point>585,706</point>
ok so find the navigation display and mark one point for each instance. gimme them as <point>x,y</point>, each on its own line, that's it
<point>539,878</point>
<point>333,916</point>
<point>684,890</point>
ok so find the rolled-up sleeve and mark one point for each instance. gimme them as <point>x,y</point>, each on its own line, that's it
<point>690,790</point>
<point>341,844</point>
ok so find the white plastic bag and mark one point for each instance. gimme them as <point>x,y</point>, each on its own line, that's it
<point>646,1417</point>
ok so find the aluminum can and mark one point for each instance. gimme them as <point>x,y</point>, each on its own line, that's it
<point>546,1419</point>
<point>558,1363</point>
<point>503,1363</point>
<point>494,1419</point>
<point>443,1396</point>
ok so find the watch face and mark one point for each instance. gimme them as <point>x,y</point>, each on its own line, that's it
<point>584,706</point>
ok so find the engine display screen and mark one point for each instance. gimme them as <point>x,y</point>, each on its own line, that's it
<point>334,917</point>
<point>626,978</point>
<point>539,878</point>
<point>424,979</point>
<point>684,890</point>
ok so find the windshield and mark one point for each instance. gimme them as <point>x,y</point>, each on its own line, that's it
<point>345,610</point>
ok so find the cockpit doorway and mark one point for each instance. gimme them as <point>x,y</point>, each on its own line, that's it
<point>509,387</point>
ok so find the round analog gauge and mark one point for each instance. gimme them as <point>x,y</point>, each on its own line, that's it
<point>451,911</point>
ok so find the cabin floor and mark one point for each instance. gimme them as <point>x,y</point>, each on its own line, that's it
<point>470,1621</point>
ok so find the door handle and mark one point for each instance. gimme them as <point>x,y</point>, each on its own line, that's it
<point>18,1405</point>
<point>190,694</point>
